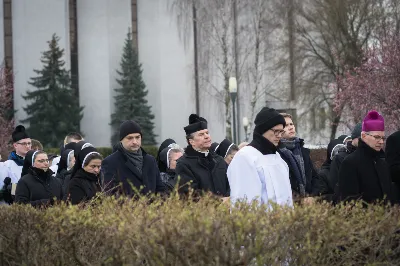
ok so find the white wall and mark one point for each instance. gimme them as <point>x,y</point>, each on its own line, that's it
<point>33,24</point>
<point>167,69</point>
<point>102,29</point>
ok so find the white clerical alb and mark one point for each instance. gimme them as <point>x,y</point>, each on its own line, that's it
<point>254,176</point>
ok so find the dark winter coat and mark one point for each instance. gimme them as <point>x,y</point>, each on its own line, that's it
<point>117,169</point>
<point>364,175</point>
<point>335,166</point>
<point>64,176</point>
<point>83,187</point>
<point>393,160</point>
<point>205,173</point>
<point>324,187</point>
<point>38,188</point>
<point>311,174</point>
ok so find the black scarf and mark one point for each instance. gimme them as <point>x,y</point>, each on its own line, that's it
<point>262,144</point>
<point>136,158</point>
<point>93,179</point>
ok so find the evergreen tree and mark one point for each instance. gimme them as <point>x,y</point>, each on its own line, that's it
<point>130,99</point>
<point>53,110</point>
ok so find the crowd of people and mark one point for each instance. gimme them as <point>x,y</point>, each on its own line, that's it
<point>274,167</point>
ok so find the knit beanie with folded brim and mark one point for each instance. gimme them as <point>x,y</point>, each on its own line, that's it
<point>266,119</point>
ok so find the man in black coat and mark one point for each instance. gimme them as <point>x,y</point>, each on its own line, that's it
<point>393,160</point>
<point>364,174</point>
<point>130,166</point>
<point>202,169</point>
<point>303,176</point>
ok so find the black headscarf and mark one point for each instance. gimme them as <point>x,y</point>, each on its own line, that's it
<point>63,164</point>
<point>161,165</point>
<point>79,146</point>
<point>334,144</point>
<point>27,162</point>
<point>81,157</point>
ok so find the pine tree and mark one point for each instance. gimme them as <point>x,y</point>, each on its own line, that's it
<point>130,99</point>
<point>53,110</point>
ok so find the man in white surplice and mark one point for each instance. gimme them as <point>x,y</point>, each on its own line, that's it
<point>257,172</point>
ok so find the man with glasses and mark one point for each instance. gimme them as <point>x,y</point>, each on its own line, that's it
<point>10,170</point>
<point>303,176</point>
<point>364,173</point>
<point>257,172</point>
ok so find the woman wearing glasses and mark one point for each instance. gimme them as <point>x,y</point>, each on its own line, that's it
<point>85,177</point>
<point>37,186</point>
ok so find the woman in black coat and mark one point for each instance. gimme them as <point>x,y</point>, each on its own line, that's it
<point>65,166</point>
<point>37,186</point>
<point>85,178</point>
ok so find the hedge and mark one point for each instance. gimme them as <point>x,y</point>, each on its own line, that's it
<point>206,232</point>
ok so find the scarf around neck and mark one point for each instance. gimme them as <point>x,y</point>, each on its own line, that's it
<point>16,158</point>
<point>294,146</point>
<point>136,158</point>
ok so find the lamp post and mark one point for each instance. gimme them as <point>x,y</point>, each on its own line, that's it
<point>246,127</point>
<point>233,94</point>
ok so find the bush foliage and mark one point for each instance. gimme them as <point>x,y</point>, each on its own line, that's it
<point>176,232</point>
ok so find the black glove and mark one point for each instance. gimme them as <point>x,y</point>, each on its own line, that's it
<point>5,192</point>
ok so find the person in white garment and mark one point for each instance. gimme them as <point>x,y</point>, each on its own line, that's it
<point>257,172</point>
<point>12,168</point>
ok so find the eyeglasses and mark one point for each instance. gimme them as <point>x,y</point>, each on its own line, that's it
<point>25,143</point>
<point>376,137</point>
<point>43,161</point>
<point>277,132</point>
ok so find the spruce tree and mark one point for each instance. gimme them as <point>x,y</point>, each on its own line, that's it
<point>53,110</point>
<point>130,99</point>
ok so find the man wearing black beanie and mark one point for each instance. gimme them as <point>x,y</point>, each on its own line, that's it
<point>257,172</point>
<point>200,168</point>
<point>130,166</point>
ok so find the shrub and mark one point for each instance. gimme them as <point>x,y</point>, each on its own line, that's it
<point>176,232</point>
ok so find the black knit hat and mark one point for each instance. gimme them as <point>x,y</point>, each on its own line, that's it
<point>266,119</point>
<point>19,133</point>
<point>224,147</point>
<point>129,127</point>
<point>196,123</point>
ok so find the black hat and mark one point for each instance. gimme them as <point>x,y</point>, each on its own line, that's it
<point>129,127</point>
<point>224,147</point>
<point>19,133</point>
<point>196,123</point>
<point>356,133</point>
<point>266,119</point>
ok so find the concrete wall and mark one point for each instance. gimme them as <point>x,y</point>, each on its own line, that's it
<point>33,24</point>
<point>102,29</point>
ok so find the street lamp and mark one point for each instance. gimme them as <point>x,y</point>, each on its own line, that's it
<point>233,94</point>
<point>246,127</point>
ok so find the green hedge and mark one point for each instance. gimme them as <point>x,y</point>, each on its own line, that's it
<point>105,151</point>
<point>176,232</point>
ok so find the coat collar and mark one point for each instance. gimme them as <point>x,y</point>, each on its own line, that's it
<point>262,144</point>
<point>365,149</point>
